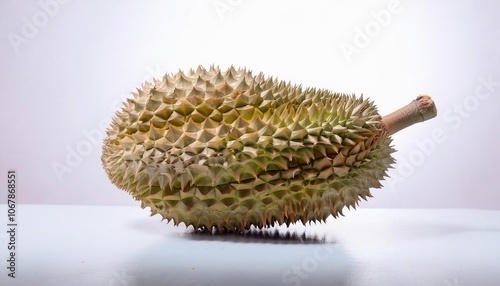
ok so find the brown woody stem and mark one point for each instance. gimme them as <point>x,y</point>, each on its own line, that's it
<point>419,110</point>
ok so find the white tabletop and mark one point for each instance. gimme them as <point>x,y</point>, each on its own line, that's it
<point>124,246</point>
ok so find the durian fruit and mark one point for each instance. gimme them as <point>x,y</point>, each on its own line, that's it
<point>229,150</point>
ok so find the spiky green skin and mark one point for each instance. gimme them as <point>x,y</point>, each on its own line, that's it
<point>230,150</point>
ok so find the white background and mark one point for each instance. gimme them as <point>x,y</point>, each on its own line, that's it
<point>64,68</point>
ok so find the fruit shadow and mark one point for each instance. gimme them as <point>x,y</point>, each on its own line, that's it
<point>296,233</point>
<point>275,235</point>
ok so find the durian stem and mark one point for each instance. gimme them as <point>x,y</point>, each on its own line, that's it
<point>419,110</point>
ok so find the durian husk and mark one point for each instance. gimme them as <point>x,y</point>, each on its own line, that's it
<point>229,150</point>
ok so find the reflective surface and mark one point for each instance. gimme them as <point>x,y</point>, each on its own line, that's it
<point>101,245</point>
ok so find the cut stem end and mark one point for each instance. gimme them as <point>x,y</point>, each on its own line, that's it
<point>419,110</point>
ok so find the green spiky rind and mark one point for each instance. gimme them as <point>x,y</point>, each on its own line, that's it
<point>230,150</point>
